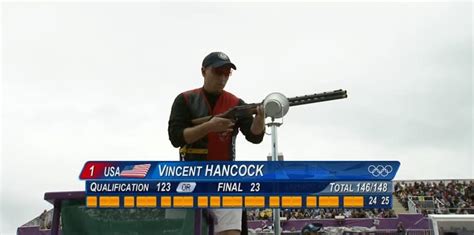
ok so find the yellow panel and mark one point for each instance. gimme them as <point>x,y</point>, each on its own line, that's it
<point>188,201</point>
<point>328,201</point>
<point>227,201</point>
<point>274,201</point>
<point>215,201</point>
<point>165,201</point>
<point>146,201</point>
<point>183,201</point>
<point>353,201</point>
<point>109,201</point>
<point>291,201</point>
<point>91,201</point>
<point>254,201</point>
<point>177,201</point>
<point>232,201</point>
<point>203,201</point>
<point>129,201</point>
<point>311,201</point>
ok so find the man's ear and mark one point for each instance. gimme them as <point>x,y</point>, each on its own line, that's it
<point>203,71</point>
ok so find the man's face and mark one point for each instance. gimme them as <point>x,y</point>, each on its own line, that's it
<point>215,79</point>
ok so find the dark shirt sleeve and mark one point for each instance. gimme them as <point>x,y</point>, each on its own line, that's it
<point>180,119</point>
<point>244,124</point>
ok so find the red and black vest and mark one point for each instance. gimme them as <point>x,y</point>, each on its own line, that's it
<point>219,147</point>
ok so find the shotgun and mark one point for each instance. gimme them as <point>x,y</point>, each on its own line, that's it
<point>247,110</point>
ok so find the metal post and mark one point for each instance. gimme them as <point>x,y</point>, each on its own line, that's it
<point>276,212</point>
<point>56,224</point>
<point>197,221</point>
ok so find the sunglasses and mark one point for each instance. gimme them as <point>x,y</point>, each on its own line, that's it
<point>222,71</point>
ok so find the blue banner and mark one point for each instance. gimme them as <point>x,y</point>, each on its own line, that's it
<point>241,170</point>
<point>113,187</point>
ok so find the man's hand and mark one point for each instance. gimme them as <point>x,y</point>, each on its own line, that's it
<point>258,124</point>
<point>218,124</point>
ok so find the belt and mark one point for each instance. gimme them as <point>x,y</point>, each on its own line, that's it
<point>185,149</point>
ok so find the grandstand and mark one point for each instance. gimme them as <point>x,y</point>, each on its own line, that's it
<point>421,207</point>
<point>436,196</point>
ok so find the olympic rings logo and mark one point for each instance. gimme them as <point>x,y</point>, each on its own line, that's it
<point>380,170</point>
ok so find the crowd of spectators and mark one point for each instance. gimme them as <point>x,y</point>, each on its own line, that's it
<point>448,196</point>
<point>293,214</point>
<point>454,196</point>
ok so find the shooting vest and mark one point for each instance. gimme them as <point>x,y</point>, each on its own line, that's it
<point>216,146</point>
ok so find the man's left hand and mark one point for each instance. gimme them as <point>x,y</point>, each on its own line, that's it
<point>258,124</point>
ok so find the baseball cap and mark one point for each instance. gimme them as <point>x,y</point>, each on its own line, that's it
<point>217,59</point>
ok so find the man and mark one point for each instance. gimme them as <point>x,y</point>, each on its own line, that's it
<point>213,140</point>
<point>401,228</point>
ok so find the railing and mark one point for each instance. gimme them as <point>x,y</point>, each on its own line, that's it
<point>376,232</point>
<point>407,232</point>
<point>417,203</point>
<point>412,208</point>
<point>439,202</point>
<point>456,210</point>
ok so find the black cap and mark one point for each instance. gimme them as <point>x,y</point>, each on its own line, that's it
<point>217,59</point>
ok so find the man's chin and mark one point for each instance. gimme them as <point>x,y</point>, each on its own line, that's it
<point>219,90</point>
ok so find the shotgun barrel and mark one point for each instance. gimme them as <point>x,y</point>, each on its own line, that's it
<point>247,110</point>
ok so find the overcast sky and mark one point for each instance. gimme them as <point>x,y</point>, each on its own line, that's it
<point>95,81</point>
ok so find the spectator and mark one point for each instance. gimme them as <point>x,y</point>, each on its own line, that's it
<point>401,229</point>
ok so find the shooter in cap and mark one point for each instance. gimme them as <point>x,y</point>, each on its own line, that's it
<point>213,140</point>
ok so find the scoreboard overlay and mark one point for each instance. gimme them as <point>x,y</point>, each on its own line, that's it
<point>239,184</point>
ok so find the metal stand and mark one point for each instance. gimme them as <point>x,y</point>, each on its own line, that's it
<point>276,105</point>
<point>276,212</point>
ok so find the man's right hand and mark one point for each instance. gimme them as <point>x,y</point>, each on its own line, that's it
<point>216,124</point>
<point>219,124</point>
